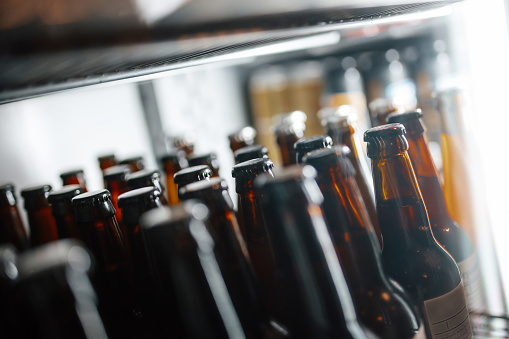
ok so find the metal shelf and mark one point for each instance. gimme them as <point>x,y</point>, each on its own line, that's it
<point>44,55</point>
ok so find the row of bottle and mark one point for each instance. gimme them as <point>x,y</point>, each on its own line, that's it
<point>300,238</point>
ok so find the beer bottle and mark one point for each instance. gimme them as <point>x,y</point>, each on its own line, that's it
<point>243,138</point>
<point>250,152</point>
<point>191,174</point>
<point>115,181</point>
<point>209,159</point>
<point>411,255</point>
<point>183,142</point>
<point>172,163</point>
<point>445,230</point>
<point>101,234</point>
<point>133,204</point>
<point>252,225</point>
<point>379,110</point>
<point>43,228</point>
<point>382,307</point>
<point>12,229</point>
<point>235,263</point>
<point>135,163</point>
<point>315,296</point>
<point>63,212</point>
<point>106,161</point>
<point>186,274</point>
<point>306,145</point>
<point>288,128</point>
<point>145,178</point>
<point>342,130</point>
<point>58,299</point>
<point>75,177</point>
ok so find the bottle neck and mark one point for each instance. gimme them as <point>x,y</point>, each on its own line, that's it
<point>250,215</point>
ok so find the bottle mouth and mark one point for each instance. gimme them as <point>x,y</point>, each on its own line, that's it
<point>411,120</point>
<point>386,140</point>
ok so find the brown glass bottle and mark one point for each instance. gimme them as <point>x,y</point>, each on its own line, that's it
<point>43,228</point>
<point>186,273</point>
<point>172,163</point>
<point>107,161</point>
<point>145,178</point>
<point>191,174</point>
<point>250,152</point>
<point>208,159</point>
<point>75,177</point>
<point>380,305</point>
<point>243,138</point>
<point>288,130</point>
<point>135,163</point>
<point>342,130</point>
<point>58,299</point>
<point>234,262</point>
<point>411,255</point>
<point>101,234</point>
<point>63,212</point>
<point>115,181</point>
<point>12,229</point>
<point>445,230</point>
<point>379,110</point>
<point>253,228</point>
<point>306,145</point>
<point>315,296</point>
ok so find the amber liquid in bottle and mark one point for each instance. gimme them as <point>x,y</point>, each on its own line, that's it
<point>172,163</point>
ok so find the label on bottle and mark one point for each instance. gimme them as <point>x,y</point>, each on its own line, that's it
<point>447,315</point>
<point>472,281</point>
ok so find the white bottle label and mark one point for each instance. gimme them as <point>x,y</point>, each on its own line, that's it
<point>447,315</point>
<point>471,275</point>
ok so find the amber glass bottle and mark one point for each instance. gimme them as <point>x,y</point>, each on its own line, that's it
<point>243,138</point>
<point>342,130</point>
<point>411,255</point>
<point>75,177</point>
<point>172,163</point>
<point>58,299</point>
<point>306,145</point>
<point>209,159</point>
<point>115,181</point>
<point>380,305</point>
<point>43,228</point>
<point>101,234</point>
<point>191,174</point>
<point>145,178</point>
<point>445,230</point>
<point>250,152</point>
<point>107,161</point>
<point>12,229</point>
<point>135,163</point>
<point>315,296</point>
<point>288,129</point>
<point>186,274</point>
<point>63,212</point>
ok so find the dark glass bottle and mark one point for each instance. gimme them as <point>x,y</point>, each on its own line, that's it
<point>101,234</point>
<point>380,305</point>
<point>250,152</point>
<point>147,178</point>
<point>172,163</point>
<point>289,128</point>
<point>191,174</point>
<point>63,212</point>
<point>315,296</point>
<point>243,138</point>
<point>445,230</point>
<point>342,130</point>
<point>75,177</point>
<point>306,145</point>
<point>115,181</point>
<point>209,159</point>
<point>234,262</point>
<point>107,161</point>
<point>411,255</point>
<point>10,308</point>
<point>43,228</point>
<point>253,228</point>
<point>133,204</point>
<point>186,274</point>
<point>12,229</point>
<point>58,299</point>
<point>135,163</point>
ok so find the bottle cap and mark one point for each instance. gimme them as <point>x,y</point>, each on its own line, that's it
<point>191,174</point>
<point>60,200</point>
<point>145,178</point>
<point>250,152</point>
<point>33,194</point>
<point>246,135</point>
<point>175,157</point>
<point>214,184</point>
<point>386,140</point>
<point>204,159</point>
<point>7,196</point>
<point>137,201</point>
<point>335,157</point>
<point>118,172</point>
<point>251,168</point>
<point>130,159</point>
<point>71,173</point>
<point>306,145</point>
<point>106,157</point>
<point>411,120</point>
<point>384,131</point>
<point>85,204</point>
